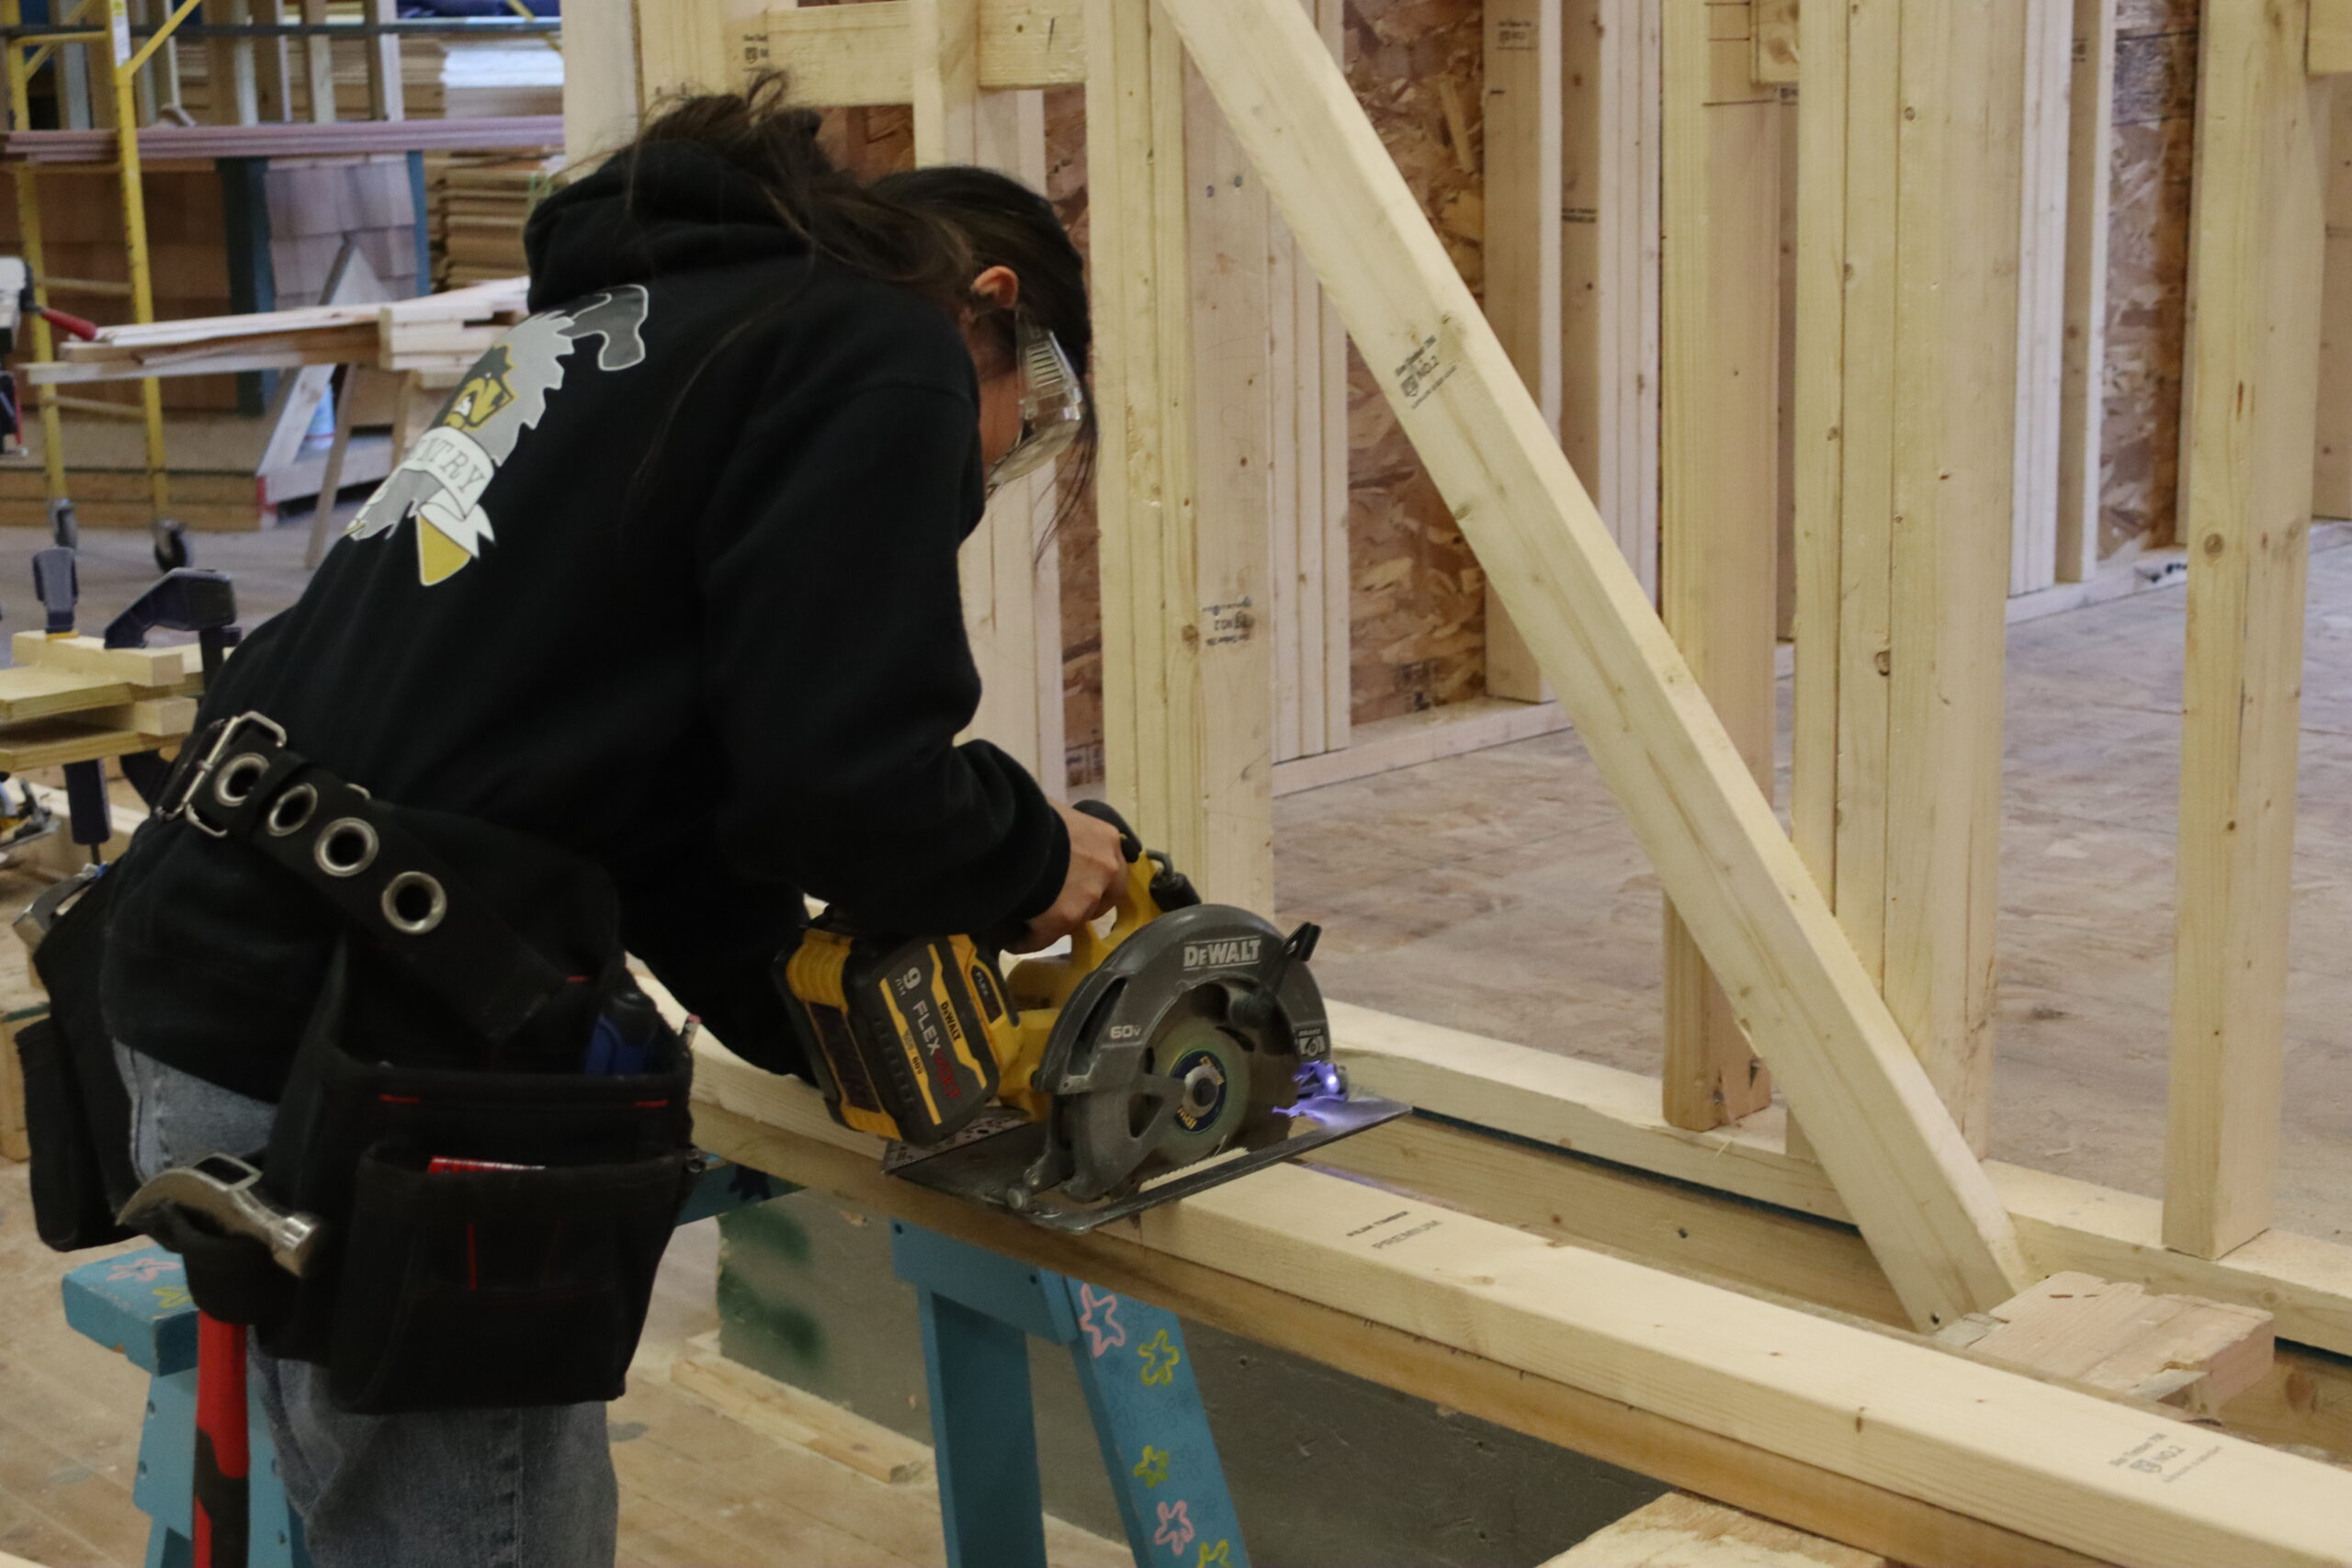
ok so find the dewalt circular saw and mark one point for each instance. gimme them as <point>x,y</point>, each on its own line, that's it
<point>1183,1047</point>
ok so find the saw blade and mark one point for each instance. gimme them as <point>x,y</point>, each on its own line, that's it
<point>1165,1011</point>
<point>1212,1070</point>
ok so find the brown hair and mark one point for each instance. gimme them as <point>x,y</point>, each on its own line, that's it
<point>758,132</point>
<point>930,231</point>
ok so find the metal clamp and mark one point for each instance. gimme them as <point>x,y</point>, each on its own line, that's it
<point>176,804</point>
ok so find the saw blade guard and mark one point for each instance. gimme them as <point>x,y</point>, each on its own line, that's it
<point>1190,1039</point>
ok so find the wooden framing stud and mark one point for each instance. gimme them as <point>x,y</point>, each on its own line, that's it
<point>2082,408</point>
<point>1719,508</point>
<point>1908,211</point>
<point>2257,236</point>
<point>681,48</point>
<point>1523,146</point>
<point>1011,579</point>
<point>1187,692</point>
<point>1609,255</point>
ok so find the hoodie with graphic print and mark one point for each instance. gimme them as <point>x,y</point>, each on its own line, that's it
<point>670,583</point>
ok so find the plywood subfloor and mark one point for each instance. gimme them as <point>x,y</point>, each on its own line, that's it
<point>1502,892</point>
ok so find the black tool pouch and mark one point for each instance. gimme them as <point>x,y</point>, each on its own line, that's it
<point>77,1115</point>
<point>493,1215</point>
<point>493,1235</point>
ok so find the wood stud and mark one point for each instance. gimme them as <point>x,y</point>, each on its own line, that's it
<point>1908,208</point>
<point>1523,146</point>
<point>1719,437</point>
<point>2258,233</point>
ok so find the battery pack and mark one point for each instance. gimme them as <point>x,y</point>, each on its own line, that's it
<point>898,1029</point>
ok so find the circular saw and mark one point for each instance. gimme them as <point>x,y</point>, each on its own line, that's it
<point>1185,1047</point>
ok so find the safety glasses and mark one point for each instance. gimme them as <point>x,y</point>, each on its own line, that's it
<point>1053,403</point>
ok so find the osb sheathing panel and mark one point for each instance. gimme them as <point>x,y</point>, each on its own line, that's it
<point>1417,606</point>
<point>2155,107</point>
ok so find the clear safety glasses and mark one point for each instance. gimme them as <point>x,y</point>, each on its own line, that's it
<point>1053,403</point>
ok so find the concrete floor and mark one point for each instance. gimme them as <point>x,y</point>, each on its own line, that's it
<point>1500,892</point>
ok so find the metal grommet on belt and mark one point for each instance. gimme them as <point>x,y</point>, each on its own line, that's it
<point>345,847</point>
<point>408,913</point>
<point>291,810</point>
<point>232,783</point>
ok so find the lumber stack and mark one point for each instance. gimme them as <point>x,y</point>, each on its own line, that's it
<point>439,334</point>
<point>75,700</point>
<point>478,207</point>
<point>451,78</point>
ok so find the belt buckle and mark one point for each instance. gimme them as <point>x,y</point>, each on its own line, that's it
<point>177,808</point>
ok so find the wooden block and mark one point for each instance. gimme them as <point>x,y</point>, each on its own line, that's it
<point>55,742</point>
<point>2181,1350</point>
<point>150,715</point>
<point>1680,1531</point>
<point>796,1415</point>
<point>39,694</point>
<point>147,667</point>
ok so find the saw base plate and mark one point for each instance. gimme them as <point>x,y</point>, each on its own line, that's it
<point>989,1159</point>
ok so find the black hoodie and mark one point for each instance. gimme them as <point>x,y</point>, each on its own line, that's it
<point>671,584</point>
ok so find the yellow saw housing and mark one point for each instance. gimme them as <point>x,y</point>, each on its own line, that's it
<point>911,1038</point>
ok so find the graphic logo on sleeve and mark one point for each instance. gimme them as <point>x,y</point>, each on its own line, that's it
<point>441,480</point>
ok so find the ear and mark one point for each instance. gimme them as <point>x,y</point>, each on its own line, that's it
<point>1000,286</point>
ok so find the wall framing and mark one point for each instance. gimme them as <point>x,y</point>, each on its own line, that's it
<point>1947,1231</point>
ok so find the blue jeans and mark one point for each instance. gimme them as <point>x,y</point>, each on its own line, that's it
<point>450,1489</point>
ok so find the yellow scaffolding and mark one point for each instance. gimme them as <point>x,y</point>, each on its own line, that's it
<point>20,61</point>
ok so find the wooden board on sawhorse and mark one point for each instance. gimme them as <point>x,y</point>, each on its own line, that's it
<point>979,1311</point>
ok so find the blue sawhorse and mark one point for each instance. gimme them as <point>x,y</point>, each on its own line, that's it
<point>979,1311</point>
<point>137,1302</point>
